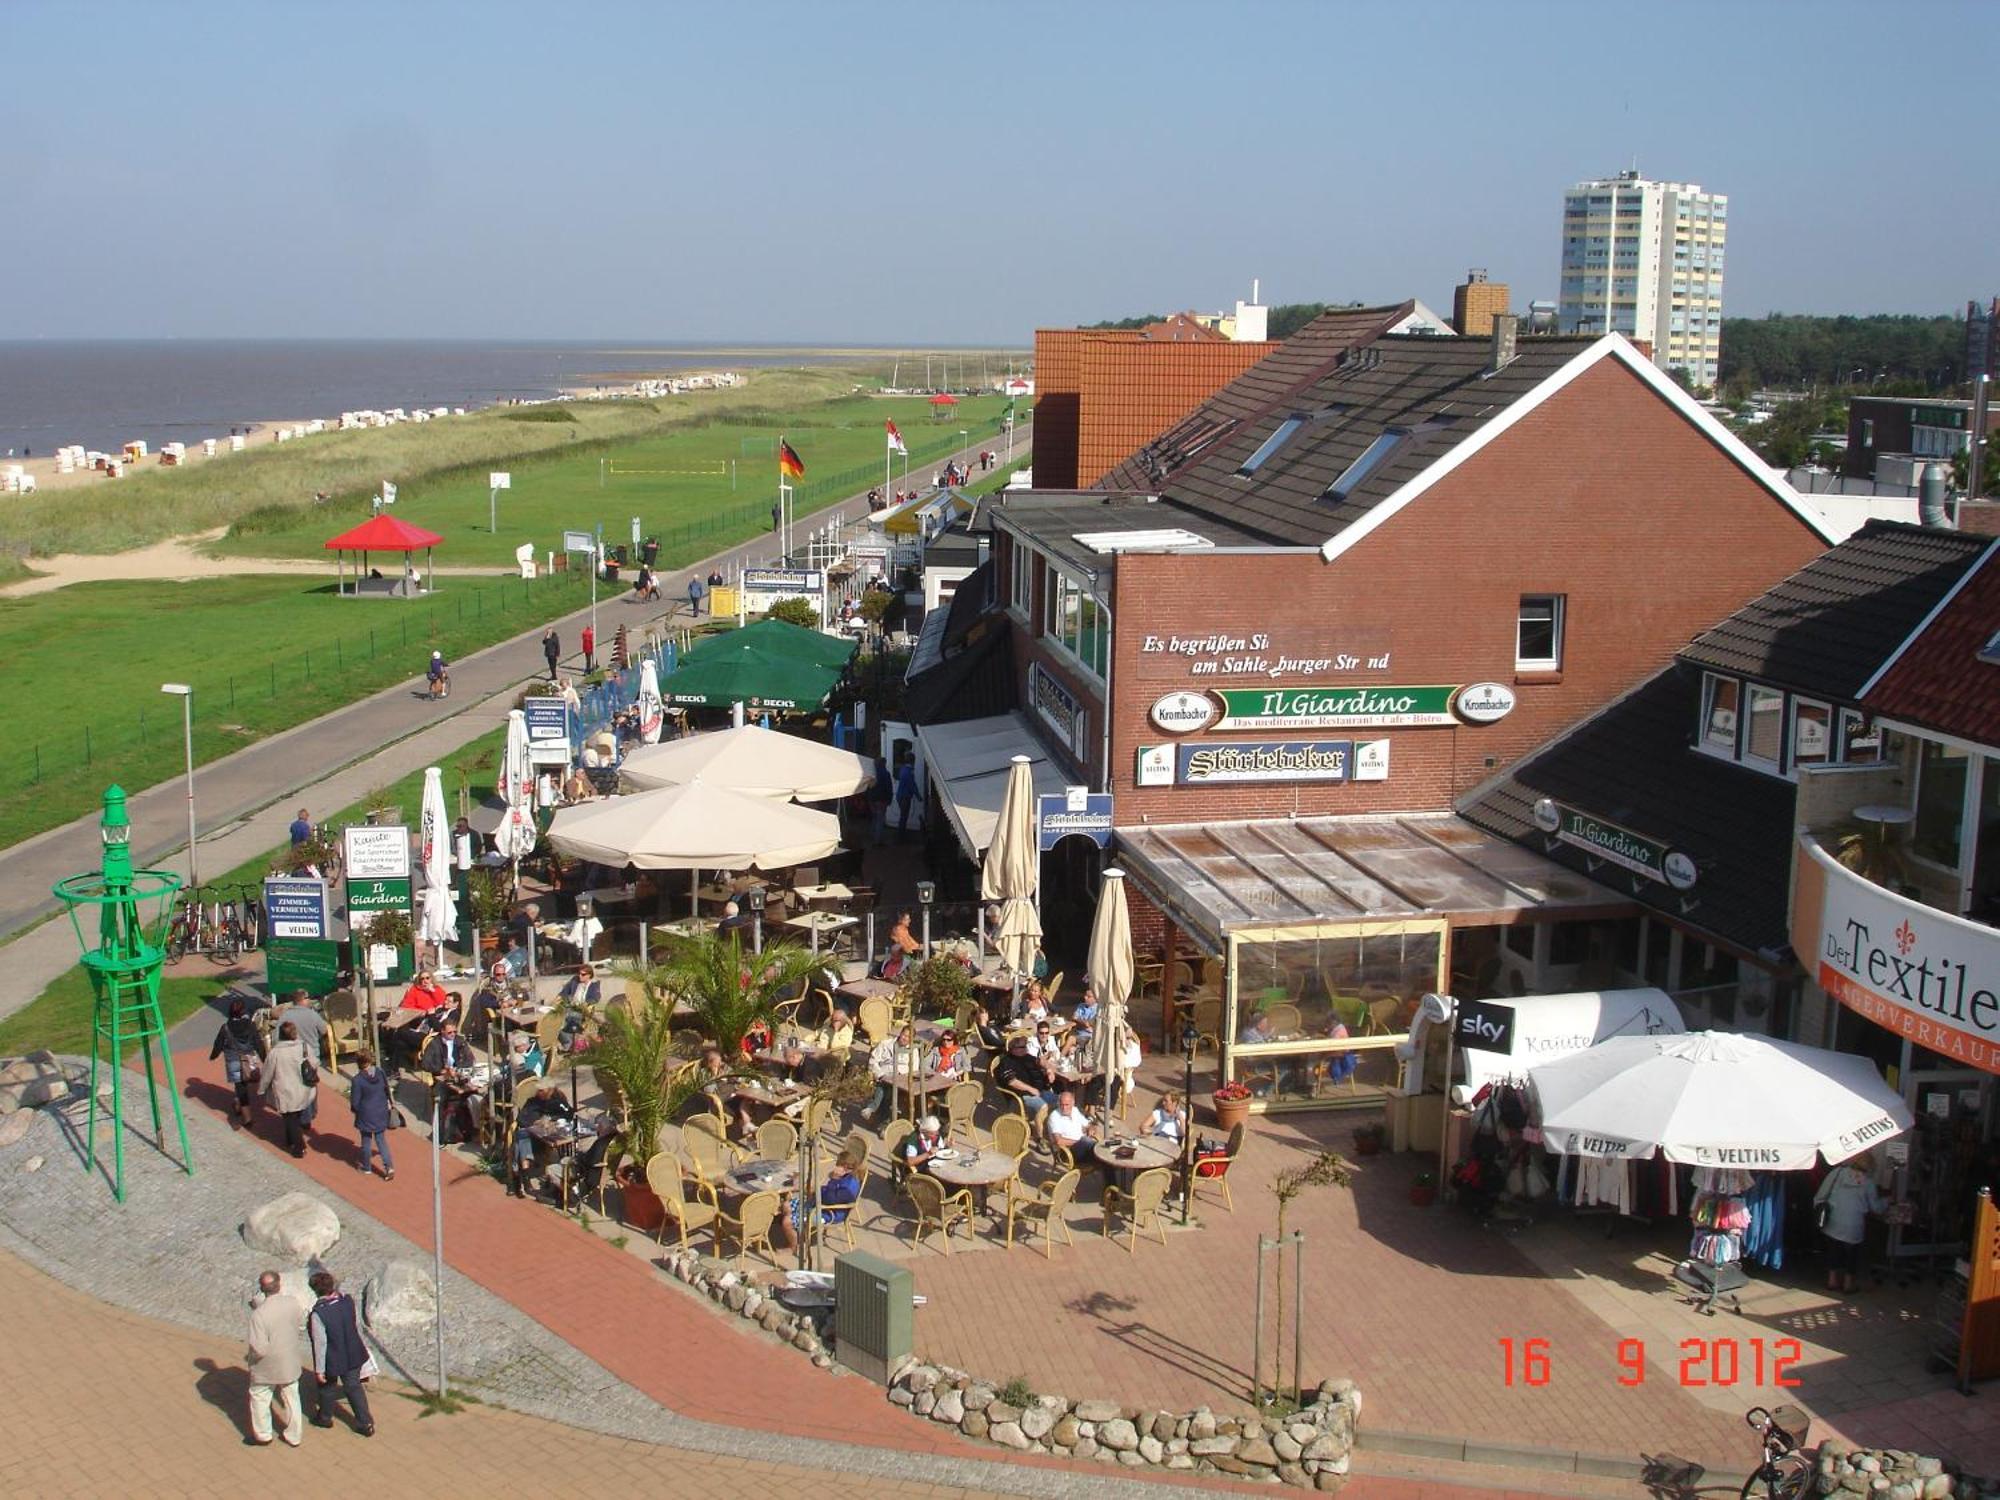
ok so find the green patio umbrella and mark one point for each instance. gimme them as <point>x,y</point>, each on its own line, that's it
<point>734,671</point>
<point>781,638</point>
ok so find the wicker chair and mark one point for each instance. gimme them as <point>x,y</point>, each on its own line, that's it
<point>961,1100</point>
<point>846,1225</point>
<point>750,1225</point>
<point>777,1140</point>
<point>1011,1134</point>
<point>936,1207</point>
<point>1215,1169</point>
<point>706,1149</point>
<point>876,1018</point>
<point>1141,1206</point>
<point>663,1176</point>
<point>1047,1203</point>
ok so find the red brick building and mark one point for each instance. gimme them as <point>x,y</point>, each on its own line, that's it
<point>1365,581</point>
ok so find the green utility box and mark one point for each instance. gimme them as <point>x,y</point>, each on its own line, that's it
<point>872,1313</point>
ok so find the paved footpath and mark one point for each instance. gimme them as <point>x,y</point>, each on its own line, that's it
<point>245,801</point>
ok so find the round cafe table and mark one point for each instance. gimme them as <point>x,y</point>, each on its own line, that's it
<point>762,1176</point>
<point>979,1170</point>
<point>1148,1151</point>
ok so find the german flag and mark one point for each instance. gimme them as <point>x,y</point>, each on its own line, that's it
<point>789,463</point>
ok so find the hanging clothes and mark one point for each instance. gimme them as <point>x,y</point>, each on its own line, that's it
<point>1764,1237</point>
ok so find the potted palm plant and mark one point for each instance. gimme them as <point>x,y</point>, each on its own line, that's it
<point>723,989</point>
<point>633,1057</point>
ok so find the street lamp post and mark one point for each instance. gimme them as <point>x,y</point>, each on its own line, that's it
<point>1190,1039</point>
<point>963,439</point>
<point>755,896</point>
<point>926,893</point>
<point>185,693</point>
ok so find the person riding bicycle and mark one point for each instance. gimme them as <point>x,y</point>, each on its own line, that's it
<point>438,673</point>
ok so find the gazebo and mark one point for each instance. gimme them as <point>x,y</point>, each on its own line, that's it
<point>383,534</point>
<point>941,404</point>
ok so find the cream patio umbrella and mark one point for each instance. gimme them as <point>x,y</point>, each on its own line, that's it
<point>755,761</point>
<point>1111,966</point>
<point>694,827</point>
<point>1012,872</point>
<point>515,837</point>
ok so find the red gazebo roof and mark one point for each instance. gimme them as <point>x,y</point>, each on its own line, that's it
<point>384,534</point>
<point>944,398</point>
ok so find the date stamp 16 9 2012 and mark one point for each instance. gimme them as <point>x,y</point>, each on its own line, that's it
<point>1699,1362</point>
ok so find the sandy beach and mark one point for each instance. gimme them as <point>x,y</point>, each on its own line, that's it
<point>48,477</point>
<point>175,561</point>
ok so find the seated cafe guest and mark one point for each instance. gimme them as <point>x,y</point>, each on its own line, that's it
<point>900,937</point>
<point>1034,1002</point>
<point>576,787</point>
<point>546,1103</point>
<point>1169,1118</point>
<point>425,993</point>
<point>733,919</point>
<point>1024,1074</point>
<point>837,1197</point>
<point>1068,1126</point>
<point>1042,1044</point>
<point>757,1038</point>
<point>837,1035</point>
<point>482,1016</point>
<point>885,1058</point>
<point>990,1036</point>
<point>449,1060</point>
<point>514,962</point>
<point>583,988</point>
<point>1259,1030</point>
<point>949,1057</point>
<point>1086,1010</point>
<point>923,1145</point>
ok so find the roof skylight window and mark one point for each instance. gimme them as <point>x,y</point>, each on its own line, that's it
<point>1270,445</point>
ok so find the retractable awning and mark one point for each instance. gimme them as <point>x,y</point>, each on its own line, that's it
<point>1217,877</point>
<point>968,772</point>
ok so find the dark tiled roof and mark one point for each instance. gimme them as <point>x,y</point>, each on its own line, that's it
<point>974,683</point>
<point>1940,682</point>
<point>1829,627</point>
<point>1308,355</point>
<point>1436,388</point>
<point>1633,765</point>
<point>1054,522</point>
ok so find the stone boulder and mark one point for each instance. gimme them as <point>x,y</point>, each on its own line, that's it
<point>400,1295</point>
<point>293,1228</point>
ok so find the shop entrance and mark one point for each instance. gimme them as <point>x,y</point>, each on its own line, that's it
<point>1949,1159</point>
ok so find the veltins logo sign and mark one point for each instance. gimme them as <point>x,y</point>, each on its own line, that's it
<point>1924,974</point>
<point>1183,713</point>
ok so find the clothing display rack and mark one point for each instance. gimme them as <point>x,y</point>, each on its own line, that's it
<point>1713,1271</point>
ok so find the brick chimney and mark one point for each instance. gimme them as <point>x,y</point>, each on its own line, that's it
<point>1505,327</point>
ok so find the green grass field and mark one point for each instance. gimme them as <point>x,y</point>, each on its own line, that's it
<point>262,652</point>
<point>59,1018</point>
<point>708,480</point>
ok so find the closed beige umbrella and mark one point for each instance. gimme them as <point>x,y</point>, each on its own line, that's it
<point>1013,869</point>
<point>1111,967</point>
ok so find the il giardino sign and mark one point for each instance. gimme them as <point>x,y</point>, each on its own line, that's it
<point>1620,846</point>
<point>1367,706</point>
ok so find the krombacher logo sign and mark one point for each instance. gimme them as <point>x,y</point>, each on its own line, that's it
<point>1334,707</point>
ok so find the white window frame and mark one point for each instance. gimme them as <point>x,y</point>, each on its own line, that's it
<point>1831,756</point>
<point>1558,609</point>
<point>1022,580</point>
<point>1053,620</point>
<point>1710,681</point>
<point>1842,720</point>
<point>1746,720</point>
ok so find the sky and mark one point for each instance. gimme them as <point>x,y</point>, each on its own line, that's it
<point>947,172</point>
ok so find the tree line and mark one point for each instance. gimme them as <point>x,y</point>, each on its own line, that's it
<point>1893,353</point>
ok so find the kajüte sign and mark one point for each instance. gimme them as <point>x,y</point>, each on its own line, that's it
<point>1620,846</point>
<point>1075,809</point>
<point>1923,973</point>
<point>375,850</point>
<point>1346,707</point>
<point>1266,760</point>
<point>548,730</point>
<point>295,907</point>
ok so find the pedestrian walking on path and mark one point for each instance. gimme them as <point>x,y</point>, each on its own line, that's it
<point>290,1079</point>
<point>696,588</point>
<point>302,829</point>
<point>339,1358</point>
<point>551,648</point>
<point>589,650</point>
<point>311,1028</point>
<point>276,1356</point>
<point>369,1097</point>
<point>241,1047</point>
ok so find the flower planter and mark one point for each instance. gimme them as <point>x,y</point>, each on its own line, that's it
<point>1229,1113</point>
<point>1368,1144</point>
<point>1423,1194</point>
<point>643,1210</point>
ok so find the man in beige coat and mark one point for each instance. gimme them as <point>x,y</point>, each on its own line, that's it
<point>276,1356</point>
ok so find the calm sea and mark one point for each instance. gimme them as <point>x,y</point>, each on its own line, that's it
<point>104,393</point>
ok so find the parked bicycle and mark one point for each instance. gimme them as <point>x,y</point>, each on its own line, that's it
<point>1785,1473</point>
<point>250,914</point>
<point>191,930</point>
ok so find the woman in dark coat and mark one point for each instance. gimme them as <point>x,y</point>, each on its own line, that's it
<point>369,1096</point>
<point>241,1047</point>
